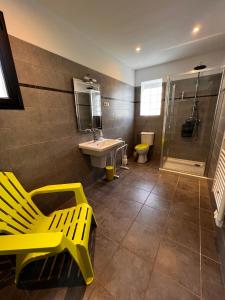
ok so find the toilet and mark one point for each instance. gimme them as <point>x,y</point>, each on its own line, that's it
<point>147,140</point>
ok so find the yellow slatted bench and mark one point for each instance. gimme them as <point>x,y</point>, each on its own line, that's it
<point>32,236</point>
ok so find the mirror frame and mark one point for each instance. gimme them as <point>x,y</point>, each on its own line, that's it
<point>79,85</point>
<point>14,100</point>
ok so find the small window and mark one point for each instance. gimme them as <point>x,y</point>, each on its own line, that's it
<point>3,90</point>
<point>151,97</point>
<point>10,96</point>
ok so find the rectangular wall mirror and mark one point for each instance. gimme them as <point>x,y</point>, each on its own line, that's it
<point>88,105</point>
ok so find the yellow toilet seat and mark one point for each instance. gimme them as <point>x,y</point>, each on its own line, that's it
<point>142,147</point>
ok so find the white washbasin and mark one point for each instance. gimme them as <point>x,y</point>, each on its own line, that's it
<point>99,148</point>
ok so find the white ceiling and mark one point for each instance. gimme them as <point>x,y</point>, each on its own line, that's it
<point>162,28</point>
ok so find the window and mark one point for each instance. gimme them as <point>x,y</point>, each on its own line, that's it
<point>3,90</point>
<point>10,96</point>
<point>151,94</point>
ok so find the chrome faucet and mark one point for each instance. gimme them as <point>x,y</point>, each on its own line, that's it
<point>97,133</point>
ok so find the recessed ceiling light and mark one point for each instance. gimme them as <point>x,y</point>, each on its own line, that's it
<point>196,29</point>
<point>138,49</point>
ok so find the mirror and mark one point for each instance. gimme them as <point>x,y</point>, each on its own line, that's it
<point>10,96</point>
<point>88,105</point>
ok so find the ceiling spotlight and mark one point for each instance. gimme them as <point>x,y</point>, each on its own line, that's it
<point>196,29</point>
<point>138,49</point>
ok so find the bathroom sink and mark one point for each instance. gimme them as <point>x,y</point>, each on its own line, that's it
<point>98,150</point>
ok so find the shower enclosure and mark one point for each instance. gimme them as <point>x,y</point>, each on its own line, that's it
<point>189,113</point>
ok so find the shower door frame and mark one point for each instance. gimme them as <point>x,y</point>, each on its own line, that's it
<point>164,121</point>
<point>166,116</point>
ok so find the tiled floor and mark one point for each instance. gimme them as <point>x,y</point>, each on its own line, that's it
<point>155,240</point>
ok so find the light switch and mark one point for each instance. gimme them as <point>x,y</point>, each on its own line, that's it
<point>106,103</point>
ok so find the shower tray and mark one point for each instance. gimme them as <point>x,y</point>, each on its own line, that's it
<point>185,166</point>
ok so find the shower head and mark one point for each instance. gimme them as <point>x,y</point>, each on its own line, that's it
<point>200,67</point>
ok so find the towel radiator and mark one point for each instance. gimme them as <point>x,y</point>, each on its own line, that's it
<point>219,187</point>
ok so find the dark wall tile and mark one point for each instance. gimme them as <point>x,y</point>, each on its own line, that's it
<point>41,142</point>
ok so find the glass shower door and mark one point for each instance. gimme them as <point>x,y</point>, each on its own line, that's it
<point>168,121</point>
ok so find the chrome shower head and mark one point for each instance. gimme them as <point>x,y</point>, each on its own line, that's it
<point>200,67</point>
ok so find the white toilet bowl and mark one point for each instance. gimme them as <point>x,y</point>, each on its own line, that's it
<point>147,140</point>
<point>142,151</point>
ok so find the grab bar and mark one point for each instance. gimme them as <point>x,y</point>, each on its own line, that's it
<point>124,148</point>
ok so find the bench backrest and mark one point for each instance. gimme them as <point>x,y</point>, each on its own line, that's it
<point>18,213</point>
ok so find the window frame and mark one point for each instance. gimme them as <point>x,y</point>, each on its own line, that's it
<point>160,80</point>
<point>14,99</point>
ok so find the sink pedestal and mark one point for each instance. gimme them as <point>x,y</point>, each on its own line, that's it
<point>98,161</point>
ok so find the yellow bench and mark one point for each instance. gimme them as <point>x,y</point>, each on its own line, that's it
<point>31,235</point>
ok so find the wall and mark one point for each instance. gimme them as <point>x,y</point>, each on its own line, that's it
<point>29,21</point>
<point>218,132</point>
<point>40,143</point>
<point>212,60</point>
<point>149,123</point>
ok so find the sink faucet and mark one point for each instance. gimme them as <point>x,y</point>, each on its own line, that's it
<point>97,133</point>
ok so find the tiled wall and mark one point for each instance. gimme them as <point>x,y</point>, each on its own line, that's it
<point>196,148</point>
<point>148,123</point>
<point>184,148</point>
<point>40,143</point>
